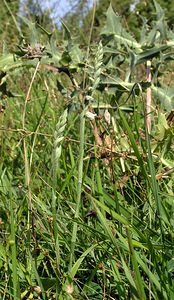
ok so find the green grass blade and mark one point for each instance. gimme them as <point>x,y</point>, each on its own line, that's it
<point>79,186</point>
<point>138,279</point>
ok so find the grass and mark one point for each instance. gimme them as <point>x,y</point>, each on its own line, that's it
<point>124,247</point>
<point>86,208</point>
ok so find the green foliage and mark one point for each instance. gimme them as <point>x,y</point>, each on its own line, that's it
<point>147,10</point>
<point>86,189</point>
<point>9,28</point>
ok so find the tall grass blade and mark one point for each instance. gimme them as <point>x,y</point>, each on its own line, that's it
<point>79,187</point>
<point>138,279</point>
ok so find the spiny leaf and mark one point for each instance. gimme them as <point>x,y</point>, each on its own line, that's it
<point>33,33</point>
<point>165,95</point>
<point>149,54</point>
<point>115,28</point>
<point>159,31</point>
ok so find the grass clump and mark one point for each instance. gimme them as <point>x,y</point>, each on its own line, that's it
<point>86,178</point>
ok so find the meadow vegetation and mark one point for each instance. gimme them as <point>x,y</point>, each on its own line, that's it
<point>87,162</point>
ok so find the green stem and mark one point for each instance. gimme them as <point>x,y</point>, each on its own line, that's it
<point>99,184</point>
<point>13,252</point>
<point>54,212</point>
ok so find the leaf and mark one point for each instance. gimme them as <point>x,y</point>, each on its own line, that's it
<point>33,33</point>
<point>138,279</point>
<point>160,24</point>
<point>128,274</point>
<point>67,35</point>
<point>154,279</point>
<point>114,27</point>
<point>170,36</point>
<point>158,32</point>
<point>149,54</point>
<point>76,54</point>
<point>49,34</point>
<point>77,264</point>
<point>6,60</point>
<point>143,30</point>
<point>93,290</point>
<point>53,51</point>
<point>165,95</point>
<point>123,85</point>
<point>123,221</point>
<point>167,162</point>
<point>162,125</point>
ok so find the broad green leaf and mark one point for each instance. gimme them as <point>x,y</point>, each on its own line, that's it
<point>6,60</point>
<point>53,50</point>
<point>143,32</point>
<point>32,31</point>
<point>158,32</point>
<point>170,40</point>
<point>76,55</point>
<point>162,125</point>
<point>115,28</point>
<point>160,23</point>
<point>165,95</point>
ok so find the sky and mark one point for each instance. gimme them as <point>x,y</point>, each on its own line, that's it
<point>59,8</point>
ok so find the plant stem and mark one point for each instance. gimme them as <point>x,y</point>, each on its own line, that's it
<point>99,184</point>
<point>148,98</point>
<point>13,251</point>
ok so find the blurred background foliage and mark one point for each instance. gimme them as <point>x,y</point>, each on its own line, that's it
<point>77,17</point>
